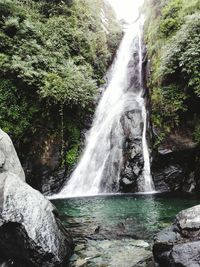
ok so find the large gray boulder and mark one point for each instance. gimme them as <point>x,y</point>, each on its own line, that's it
<point>179,245</point>
<point>9,160</point>
<point>30,231</point>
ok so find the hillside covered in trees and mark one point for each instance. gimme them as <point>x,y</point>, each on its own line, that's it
<point>53,57</point>
<point>172,35</point>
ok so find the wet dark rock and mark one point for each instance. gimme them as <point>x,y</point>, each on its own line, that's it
<point>169,178</point>
<point>177,170</point>
<point>42,163</point>
<point>132,125</point>
<point>126,160</point>
<point>179,245</point>
<point>133,161</point>
<point>52,182</point>
<point>118,232</point>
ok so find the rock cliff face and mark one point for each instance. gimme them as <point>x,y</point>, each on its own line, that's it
<point>177,169</point>
<point>30,231</point>
<point>175,103</point>
<point>179,245</point>
<point>133,161</point>
<point>132,125</point>
<point>42,162</point>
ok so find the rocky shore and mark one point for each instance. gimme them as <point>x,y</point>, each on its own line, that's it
<point>179,244</point>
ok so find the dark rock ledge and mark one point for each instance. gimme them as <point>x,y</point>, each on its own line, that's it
<point>30,231</point>
<point>179,245</point>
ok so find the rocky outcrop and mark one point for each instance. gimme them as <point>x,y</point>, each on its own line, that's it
<point>30,231</point>
<point>9,160</point>
<point>179,245</point>
<point>42,163</point>
<point>177,170</point>
<point>131,173</point>
<point>132,151</point>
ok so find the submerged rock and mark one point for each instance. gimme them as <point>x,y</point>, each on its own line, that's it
<point>179,245</point>
<point>114,253</point>
<point>30,231</point>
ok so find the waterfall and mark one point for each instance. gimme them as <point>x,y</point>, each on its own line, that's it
<point>147,185</point>
<point>99,168</point>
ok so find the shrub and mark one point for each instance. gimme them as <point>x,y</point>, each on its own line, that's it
<point>181,56</point>
<point>172,34</point>
<point>72,156</point>
<point>74,86</point>
<point>15,109</point>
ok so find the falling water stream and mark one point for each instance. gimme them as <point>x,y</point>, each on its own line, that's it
<point>148,185</point>
<point>103,150</point>
<point>100,165</point>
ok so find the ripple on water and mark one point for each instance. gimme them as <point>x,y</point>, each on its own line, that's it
<point>107,228</point>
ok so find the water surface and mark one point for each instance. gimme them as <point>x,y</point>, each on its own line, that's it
<point>106,226</point>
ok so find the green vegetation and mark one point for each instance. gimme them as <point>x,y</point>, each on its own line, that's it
<point>13,106</point>
<point>172,35</point>
<point>197,133</point>
<point>52,54</point>
<point>72,156</point>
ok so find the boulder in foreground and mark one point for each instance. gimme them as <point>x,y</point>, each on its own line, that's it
<point>179,245</point>
<point>9,160</point>
<point>31,235</point>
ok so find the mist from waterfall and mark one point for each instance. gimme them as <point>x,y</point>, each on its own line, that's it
<point>103,153</point>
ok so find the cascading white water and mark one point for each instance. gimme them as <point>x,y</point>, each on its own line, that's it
<point>148,185</point>
<point>104,145</point>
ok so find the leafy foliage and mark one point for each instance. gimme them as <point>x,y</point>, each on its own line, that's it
<point>181,56</point>
<point>72,156</point>
<point>167,103</point>
<point>14,106</point>
<point>53,54</point>
<point>172,34</point>
<point>73,86</point>
<point>170,21</point>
